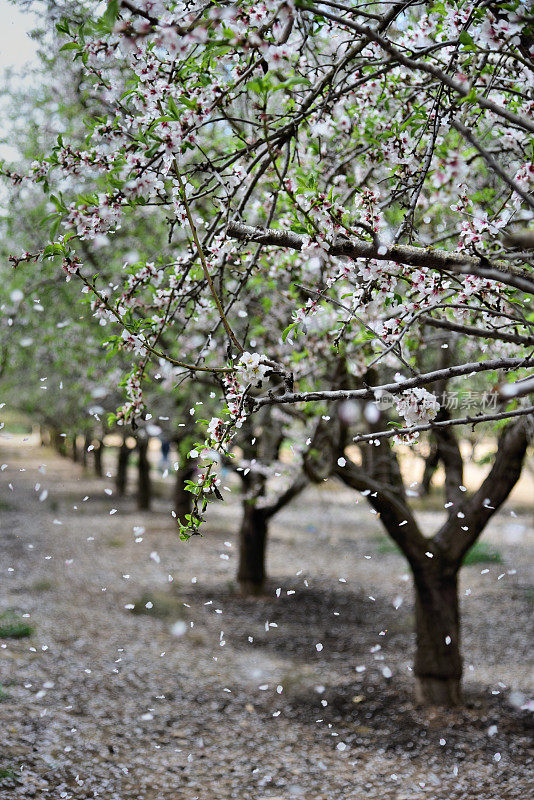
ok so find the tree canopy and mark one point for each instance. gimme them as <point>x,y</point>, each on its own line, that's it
<point>333,190</point>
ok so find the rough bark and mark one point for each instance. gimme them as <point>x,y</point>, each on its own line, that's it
<point>440,260</point>
<point>252,549</point>
<point>438,663</point>
<point>144,488</point>
<point>121,478</point>
<point>435,562</point>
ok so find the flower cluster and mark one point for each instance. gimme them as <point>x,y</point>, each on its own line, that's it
<point>250,370</point>
<point>134,405</point>
<point>418,406</point>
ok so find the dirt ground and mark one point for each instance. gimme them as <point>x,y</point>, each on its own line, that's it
<point>196,694</point>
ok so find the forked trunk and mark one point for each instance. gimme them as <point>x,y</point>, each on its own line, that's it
<point>143,485</point>
<point>183,500</point>
<point>252,547</point>
<point>121,478</point>
<point>438,663</point>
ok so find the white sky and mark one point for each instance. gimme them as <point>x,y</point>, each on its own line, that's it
<point>16,48</point>
<point>17,51</point>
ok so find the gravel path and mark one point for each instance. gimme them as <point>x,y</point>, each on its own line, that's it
<point>172,700</point>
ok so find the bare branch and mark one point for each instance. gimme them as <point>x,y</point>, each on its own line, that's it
<point>517,389</point>
<point>286,497</point>
<point>471,330</point>
<point>395,515</point>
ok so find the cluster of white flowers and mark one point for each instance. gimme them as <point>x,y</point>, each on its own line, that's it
<point>216,429</point>
<point>249,368</point>
<point>417,406</point>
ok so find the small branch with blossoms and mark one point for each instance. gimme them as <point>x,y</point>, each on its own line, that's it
<point>249,371</point>
<point>430,426</point>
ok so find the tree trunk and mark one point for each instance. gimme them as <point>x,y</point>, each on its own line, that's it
<point>121,478</point>
<point>438,663</point>
<point>252,547</point>
<point>86,444</point>
<point>98,452</point>
<point>183,500</point>
<point>59,443</point>
<point>143,484</point>
<point>74,449</point>
<point>431,465</point>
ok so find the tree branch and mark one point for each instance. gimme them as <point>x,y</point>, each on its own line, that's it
<point>396,388</point>
<point>517,389</point>
<point>451,458</point>
<point>428,257</point>
<point>430,426</point>
<point>495,166</point>
<point>452,540</point>
<point>286,497</point>
<point>411,63</point>
<point>471,330</point>
<point>395,515</point>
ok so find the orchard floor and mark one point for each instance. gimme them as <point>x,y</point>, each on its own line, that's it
<point>176,702</point>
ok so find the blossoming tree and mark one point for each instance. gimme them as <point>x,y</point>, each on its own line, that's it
<point>340,181</point>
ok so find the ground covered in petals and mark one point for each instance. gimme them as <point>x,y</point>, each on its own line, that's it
<point>130,669</point>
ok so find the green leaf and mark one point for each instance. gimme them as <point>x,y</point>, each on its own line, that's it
<point>110,14</point>
<point>287,331</point>
<point>467,40</point>
<point>54,227</point>
<point>69,46</point>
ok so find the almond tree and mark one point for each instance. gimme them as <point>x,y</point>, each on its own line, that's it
<point>361,171</point>
<point>434,558</point>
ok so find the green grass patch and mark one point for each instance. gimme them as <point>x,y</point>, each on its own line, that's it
<point>13,626</point>
<point>482,553</point>
<point>16,422</point>
<point>43,585</point>
<point>385,546</point>
<point>162,605</point>
<point>114,541</point>
<point>8,776</point>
